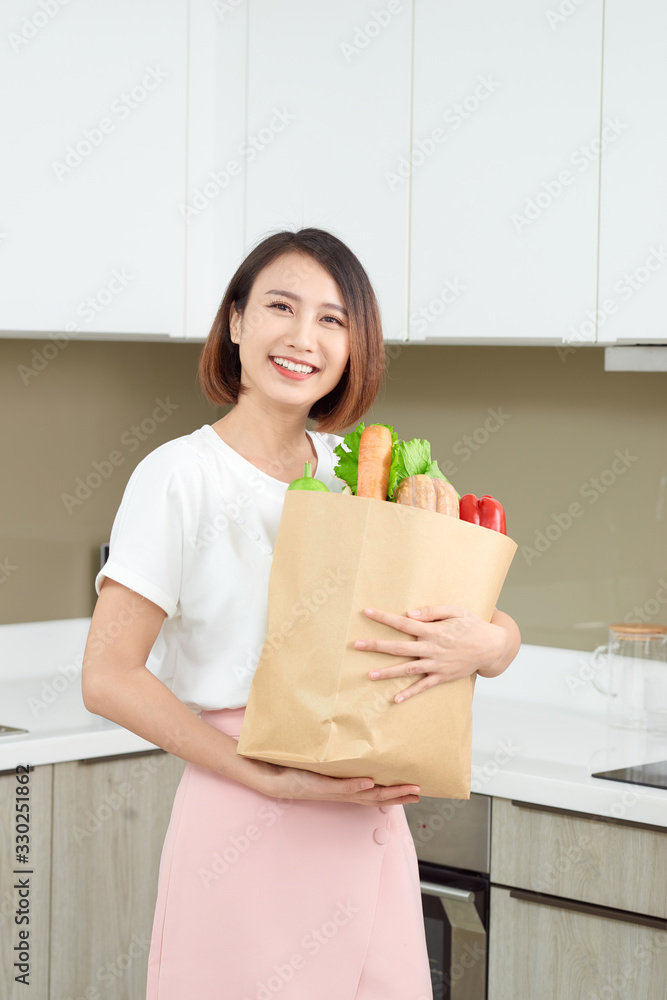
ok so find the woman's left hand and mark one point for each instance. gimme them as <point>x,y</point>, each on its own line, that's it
<point>452,642</point>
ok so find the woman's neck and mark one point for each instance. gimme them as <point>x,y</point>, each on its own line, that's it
<point>267,439</point>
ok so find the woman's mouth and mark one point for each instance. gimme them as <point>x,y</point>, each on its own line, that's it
<point>292,369</point>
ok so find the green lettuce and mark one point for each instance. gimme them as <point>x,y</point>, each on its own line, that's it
<point>408,458</point>
<point>411,458</point>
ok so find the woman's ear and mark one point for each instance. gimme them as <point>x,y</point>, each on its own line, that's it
<point>234,323</point>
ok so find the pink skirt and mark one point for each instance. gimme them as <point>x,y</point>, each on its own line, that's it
<point>261,897</point>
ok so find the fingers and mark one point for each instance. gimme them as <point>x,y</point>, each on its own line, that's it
<point>363,791</point>
<point>366,792</point>
<point>402,801</point>
<point>437,612</point>
<point>387,793</point>
<point>401,670</point>
<point>344,787</point>
<point>422,685</point>
<point>399,622</point>
<point>414,648</point>
<point>394,795</point>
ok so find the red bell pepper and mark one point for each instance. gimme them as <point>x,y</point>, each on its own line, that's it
<point>485,511</point>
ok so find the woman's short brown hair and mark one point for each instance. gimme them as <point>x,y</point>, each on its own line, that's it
<point>220,364</point>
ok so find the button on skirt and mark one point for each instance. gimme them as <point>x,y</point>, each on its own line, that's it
<point>261,897</point>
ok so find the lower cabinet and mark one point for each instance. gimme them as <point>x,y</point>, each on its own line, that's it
<point>540,949</point>
<point>578,906</point>
<point>110,816</point>
<point>610,862</point>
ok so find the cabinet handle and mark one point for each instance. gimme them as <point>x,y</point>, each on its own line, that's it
<point>607,912</point>
<point>120,756</point>
<point>590,816</point>
<point>447,892</point>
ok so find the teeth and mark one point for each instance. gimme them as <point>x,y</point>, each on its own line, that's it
<point>292,367</point>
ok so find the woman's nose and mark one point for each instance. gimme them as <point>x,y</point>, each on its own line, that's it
<point>302,333</point>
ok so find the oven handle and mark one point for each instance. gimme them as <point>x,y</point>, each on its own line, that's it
<point>447,892</point>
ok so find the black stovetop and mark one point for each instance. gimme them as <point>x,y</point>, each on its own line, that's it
<point>654,774</point>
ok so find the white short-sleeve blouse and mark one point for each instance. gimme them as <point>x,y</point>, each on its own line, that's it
<point>194,533</point>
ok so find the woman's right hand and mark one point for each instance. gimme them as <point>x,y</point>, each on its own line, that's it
<point>282,782</point>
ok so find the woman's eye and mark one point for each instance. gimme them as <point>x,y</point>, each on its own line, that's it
<point>284,306</point>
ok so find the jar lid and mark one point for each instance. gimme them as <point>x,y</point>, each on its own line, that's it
<point>640,631</point>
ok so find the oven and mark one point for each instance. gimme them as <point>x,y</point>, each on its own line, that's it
<point>452,840</point>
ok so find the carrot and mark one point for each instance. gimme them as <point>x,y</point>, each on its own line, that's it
<point>374,462</point>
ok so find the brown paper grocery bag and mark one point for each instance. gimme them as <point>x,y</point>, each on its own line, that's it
<point>311,703</point>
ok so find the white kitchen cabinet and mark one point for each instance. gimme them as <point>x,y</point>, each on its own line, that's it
<point>328,115</point>
<point>632,306</point>
<point>94,169</point>
<point>214,206</point>
<point>504,171</point>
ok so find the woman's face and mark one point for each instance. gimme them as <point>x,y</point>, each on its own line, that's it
<point>295,315</point>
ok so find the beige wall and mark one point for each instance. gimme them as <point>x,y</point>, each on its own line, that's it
<point>78,410</point>
<point>543,426</point>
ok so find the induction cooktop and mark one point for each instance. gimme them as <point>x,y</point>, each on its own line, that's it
<point>654,774</point>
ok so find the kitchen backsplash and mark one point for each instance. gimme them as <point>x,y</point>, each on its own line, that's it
<point>577,456</point>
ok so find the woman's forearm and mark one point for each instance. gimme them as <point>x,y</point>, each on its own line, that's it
<point>511,646</point>
<point>140,702</point>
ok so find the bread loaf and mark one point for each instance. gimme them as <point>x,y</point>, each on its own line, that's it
<point>429,494</point>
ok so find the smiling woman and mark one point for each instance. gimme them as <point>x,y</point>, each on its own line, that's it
<point>269,875</point>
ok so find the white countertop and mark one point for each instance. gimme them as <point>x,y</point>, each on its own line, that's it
<point>539,729</point>
<point>40,690</point>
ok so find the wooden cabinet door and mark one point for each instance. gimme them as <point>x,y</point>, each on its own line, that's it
<point>93,170</point>
<point>503,172</point>
<point>25,884</point>
<point>328,115</point>
<point>537,950</point>
<point>109,822</point>
<point>603,861</point>
<point>633,195</point>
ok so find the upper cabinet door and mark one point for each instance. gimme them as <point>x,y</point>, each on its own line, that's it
<point>216,158</point>
<point>328,117</point>
<point>504,171</point>
<point>94,123</point>
<point>632,307</point>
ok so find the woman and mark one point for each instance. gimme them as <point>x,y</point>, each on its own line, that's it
<point>272,880</point>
